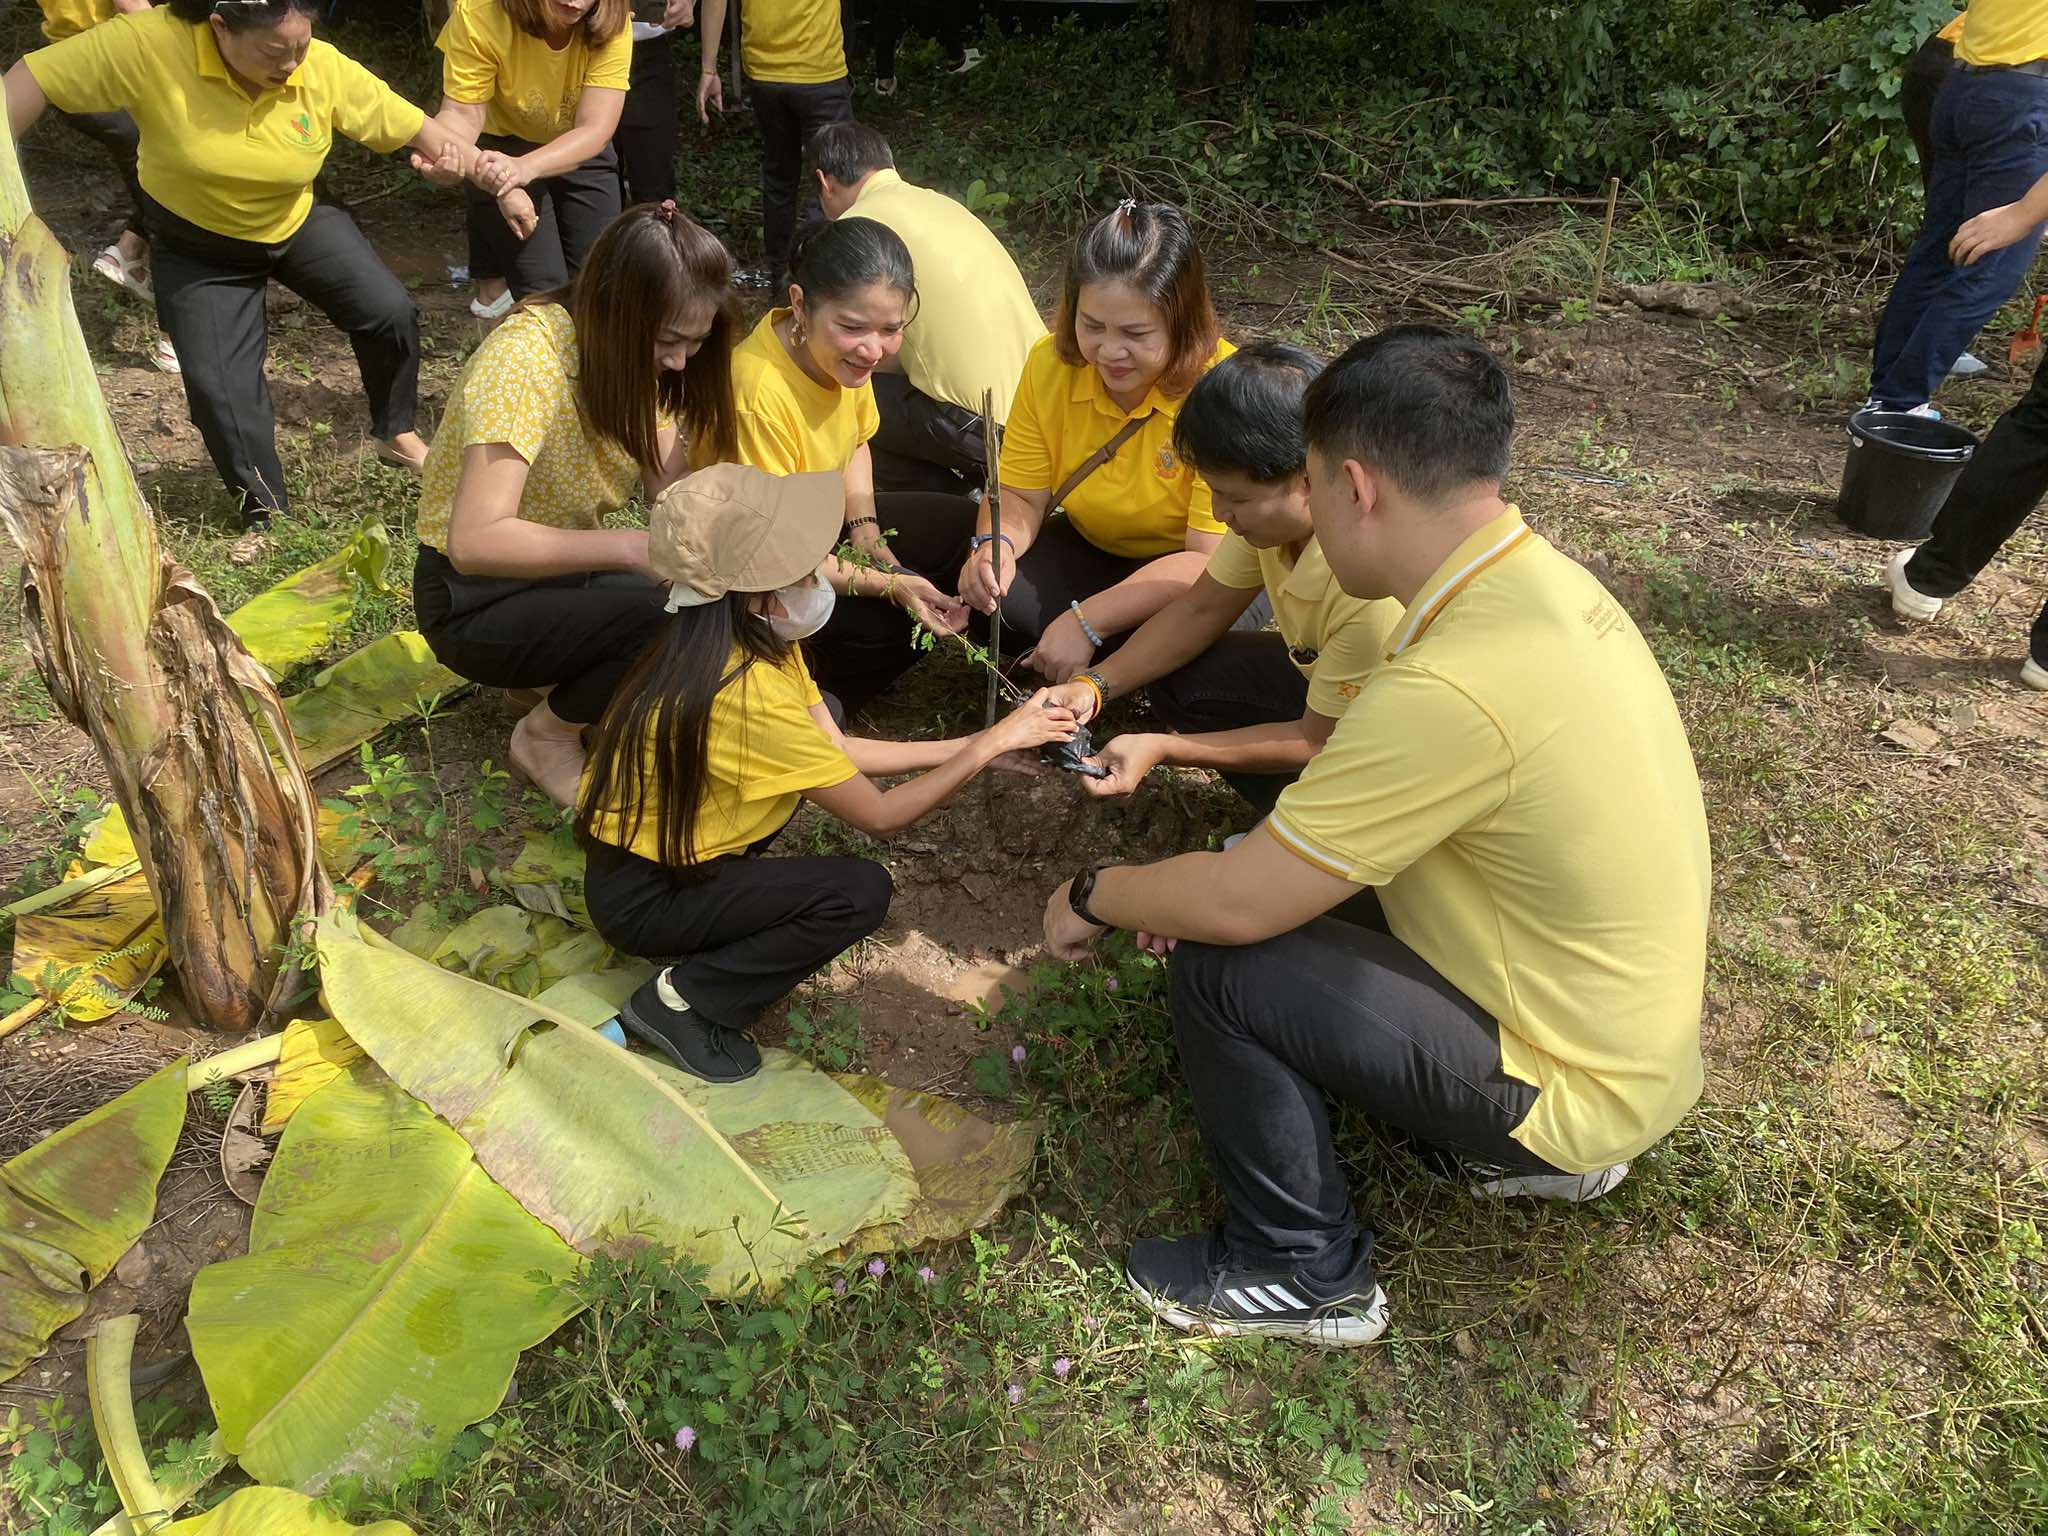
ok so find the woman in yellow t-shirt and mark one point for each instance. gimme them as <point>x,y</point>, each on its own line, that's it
<point>576,401</point>
<point>712,741</point>
<point>1135,329</point>
<point>801,385</point>
<point>236,106</point>
<point>538,86</point>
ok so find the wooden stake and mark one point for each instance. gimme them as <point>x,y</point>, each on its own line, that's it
<point>1606,236</point>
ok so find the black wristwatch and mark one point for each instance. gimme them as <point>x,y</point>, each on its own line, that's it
<point>1079,891</point>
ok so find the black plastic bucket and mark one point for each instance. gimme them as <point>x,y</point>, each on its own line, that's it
<point>1901,468</point>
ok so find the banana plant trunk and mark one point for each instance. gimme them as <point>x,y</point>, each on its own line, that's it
<point>135,654</point>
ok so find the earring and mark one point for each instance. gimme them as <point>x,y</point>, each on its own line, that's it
<point>796,330</point>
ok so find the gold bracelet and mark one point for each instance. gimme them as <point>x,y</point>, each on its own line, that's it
<point>1095,683</point>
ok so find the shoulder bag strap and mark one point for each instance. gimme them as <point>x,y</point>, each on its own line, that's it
<point>1096,460</point>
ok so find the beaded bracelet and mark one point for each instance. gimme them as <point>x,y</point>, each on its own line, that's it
<point>1086,628</point>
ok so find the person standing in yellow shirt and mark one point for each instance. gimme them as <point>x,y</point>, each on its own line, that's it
<point>1480,915</point>
<point>1103,524</point>
<point>793,54</point>
<point>236,105</point>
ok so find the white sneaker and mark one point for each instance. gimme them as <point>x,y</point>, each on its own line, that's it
<point>2034,675</point>
<point>1968,366</point>
<point>1922,409</point>
<point>497,309</point>
<point>165,356</point>
<point>1569,1187</point>
<point>1908,602</point>
<point>970,58</point>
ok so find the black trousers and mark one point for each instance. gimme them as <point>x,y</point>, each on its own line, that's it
<point>573,209</point>
<point>1269,1033</point>
<point>1243,679</point>
<point>924,444</point>
<point>787,116</point>
<point>209,300</point>
<point>579,635</point>
<point>867,644</point>
<point>945,23</point>
<point>740,932</point>
<point>1919,83</point>
<point>2001,485</point>
<point>646,139</point>
<point>116,133</point>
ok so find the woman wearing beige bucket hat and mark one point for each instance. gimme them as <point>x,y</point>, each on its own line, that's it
<point>710,743</point>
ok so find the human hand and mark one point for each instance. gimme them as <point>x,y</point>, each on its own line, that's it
<point>1026,763</point>
<point>500,173</point>
<point>444,170</point>
<point>1077,696</point>
<point>1992,230</point>
<point>1030,725</point>
<point>1128,759</point>
<point>981,586</point>
<point>1066,934</point>
<point>679,14</point>
<point>937,611</point>
<point>1156,944</point>
<point>1061,651</point>
<point>710,95</point>
<point>517,208</point>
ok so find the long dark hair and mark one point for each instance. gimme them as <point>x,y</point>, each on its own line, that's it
<point>664,704</point>
<point>649,265</point>
<point>1151,247</point>
<point>243,15</point>
<point>834,259</point>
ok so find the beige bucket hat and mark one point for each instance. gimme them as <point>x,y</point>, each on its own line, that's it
<point>733,528</point>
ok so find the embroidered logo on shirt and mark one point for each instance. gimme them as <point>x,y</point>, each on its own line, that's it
<point>304,125</point>
<point>1603,617</point>
<point>1166,465</point>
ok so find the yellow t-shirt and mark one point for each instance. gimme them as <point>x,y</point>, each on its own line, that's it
<point>520,388</point>
<point>68,18</point>
<point>531,90</point>
<point>1143,501</point>
<point>792,42</point>
<point>1334,638</point>
<point>1954,30</point>
<point>210,154</point>
<point>762,751</point>
<point>2004,32</point>
<point>790,424</point>
<point>1516,781</point>
<point>975,322</point>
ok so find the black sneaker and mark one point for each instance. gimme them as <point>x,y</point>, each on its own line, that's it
<point>699,1047</point>
<point>1192,1283</point>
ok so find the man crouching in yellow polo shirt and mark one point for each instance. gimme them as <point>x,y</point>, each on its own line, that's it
<point>1480,914</point>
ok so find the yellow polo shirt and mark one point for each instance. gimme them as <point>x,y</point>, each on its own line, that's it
<point>788,422</point>
<point>210,154</point>
<point>531,91</point>
<point>519,388</point>
<point>1334,638</point>
<point>975,322</point>
<point>762,751</point>
<point>792,42</point>
<point>1143,501</point>
<point>2004,32</point>
<point>68,18</point>
<point>1516,782</point>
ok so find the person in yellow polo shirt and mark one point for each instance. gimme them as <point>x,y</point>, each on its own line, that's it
<point>537,86</point>
<point>715,738</point>
<point>975,322</point>
<point>1254,706</point>
<point>793,54</point>
<point>1091,547</point>
<point>1481,913</point>
<point>237,106</point>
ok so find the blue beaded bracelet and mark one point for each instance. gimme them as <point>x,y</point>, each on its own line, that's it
<point>1086,628</point>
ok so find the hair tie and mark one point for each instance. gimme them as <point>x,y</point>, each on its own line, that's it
<point>667,210</point>
<point>1128,208</point>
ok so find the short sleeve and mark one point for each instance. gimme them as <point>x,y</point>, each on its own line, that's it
<point>770,439</point>
<point>1412,763</point>
<point>514,392</point>
<point>1027,452</point>
<point>103,70</point>
<point>782,750</point>
<point>369,111</point>
<point>469,63</point>
<point>611,64</point>
<point>1235,564</point>
<point>1201,507</point>
<point>1351,656</point>
<point>867,417</point>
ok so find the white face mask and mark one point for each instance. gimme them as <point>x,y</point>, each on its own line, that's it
<point>806,606</point>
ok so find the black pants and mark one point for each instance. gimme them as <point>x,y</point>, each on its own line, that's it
<point>924,444</point>
<point>868,643</point>
<point>573,209</point>
<point>739,931</point>
<point>646,139</point>
<point>116,133</point>
<point>209,300</point>
<point>2003,482</point>
<point>1243,679</point>
<point>1919,83</point>
<point>787,116</point>
<point>1268,1032</point>
<point>577,634</point>
<point>945,23</point>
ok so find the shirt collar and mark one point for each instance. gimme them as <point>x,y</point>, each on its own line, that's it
<point>206,54</point>
<point>885,177</point>
<point>1484,548</point>
<point>1310,576</point>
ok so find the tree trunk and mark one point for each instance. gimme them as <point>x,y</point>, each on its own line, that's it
<point>1211,42</point>
<point>134,653</point>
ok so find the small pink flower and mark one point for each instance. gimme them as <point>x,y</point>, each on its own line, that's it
<point>1016,1394</point>
<point>926,1275</point>
<point>1017,1054</point>
<point>1061,1366</point>
<point>686,1437</point>
<point>838,1287</point>
<point>1092,1323</point>
<point>877,1268</point>
<point>1109,984</point>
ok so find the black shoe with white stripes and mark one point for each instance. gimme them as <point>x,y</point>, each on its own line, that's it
<point>1192,1283</point>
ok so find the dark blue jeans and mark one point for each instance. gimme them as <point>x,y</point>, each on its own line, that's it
<point>1990,145</point>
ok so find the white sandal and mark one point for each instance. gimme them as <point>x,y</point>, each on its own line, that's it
<point>497,309</point>
<point>165,356</point>
<point>123,273</point>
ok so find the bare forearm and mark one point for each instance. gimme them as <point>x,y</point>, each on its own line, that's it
<point>1172,637</point>
<point>906,803</point>
<point>1177,897</point>
<point>568,151</point>
<point>1020,523</point>
<point>1281,748</point>
<point>1144,592</point>
<point>25,99</point>
<point>532,551</point>
<point>885,759</point>
<point>711,31</point>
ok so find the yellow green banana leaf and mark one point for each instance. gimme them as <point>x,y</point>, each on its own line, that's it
<point>314,1053</point>
<point>384,1301</point>
<point>110,842</point>
<point>612,1148</point>
<point>967,1168</point>
<point>547,876</point>
<point>386,681</point>
<point>275,1512</point>
<point>72,1204</point>
<point>91,952</point>
<point>291,622</point>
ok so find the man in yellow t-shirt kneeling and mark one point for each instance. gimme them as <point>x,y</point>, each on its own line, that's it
<point>1479,915</point>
